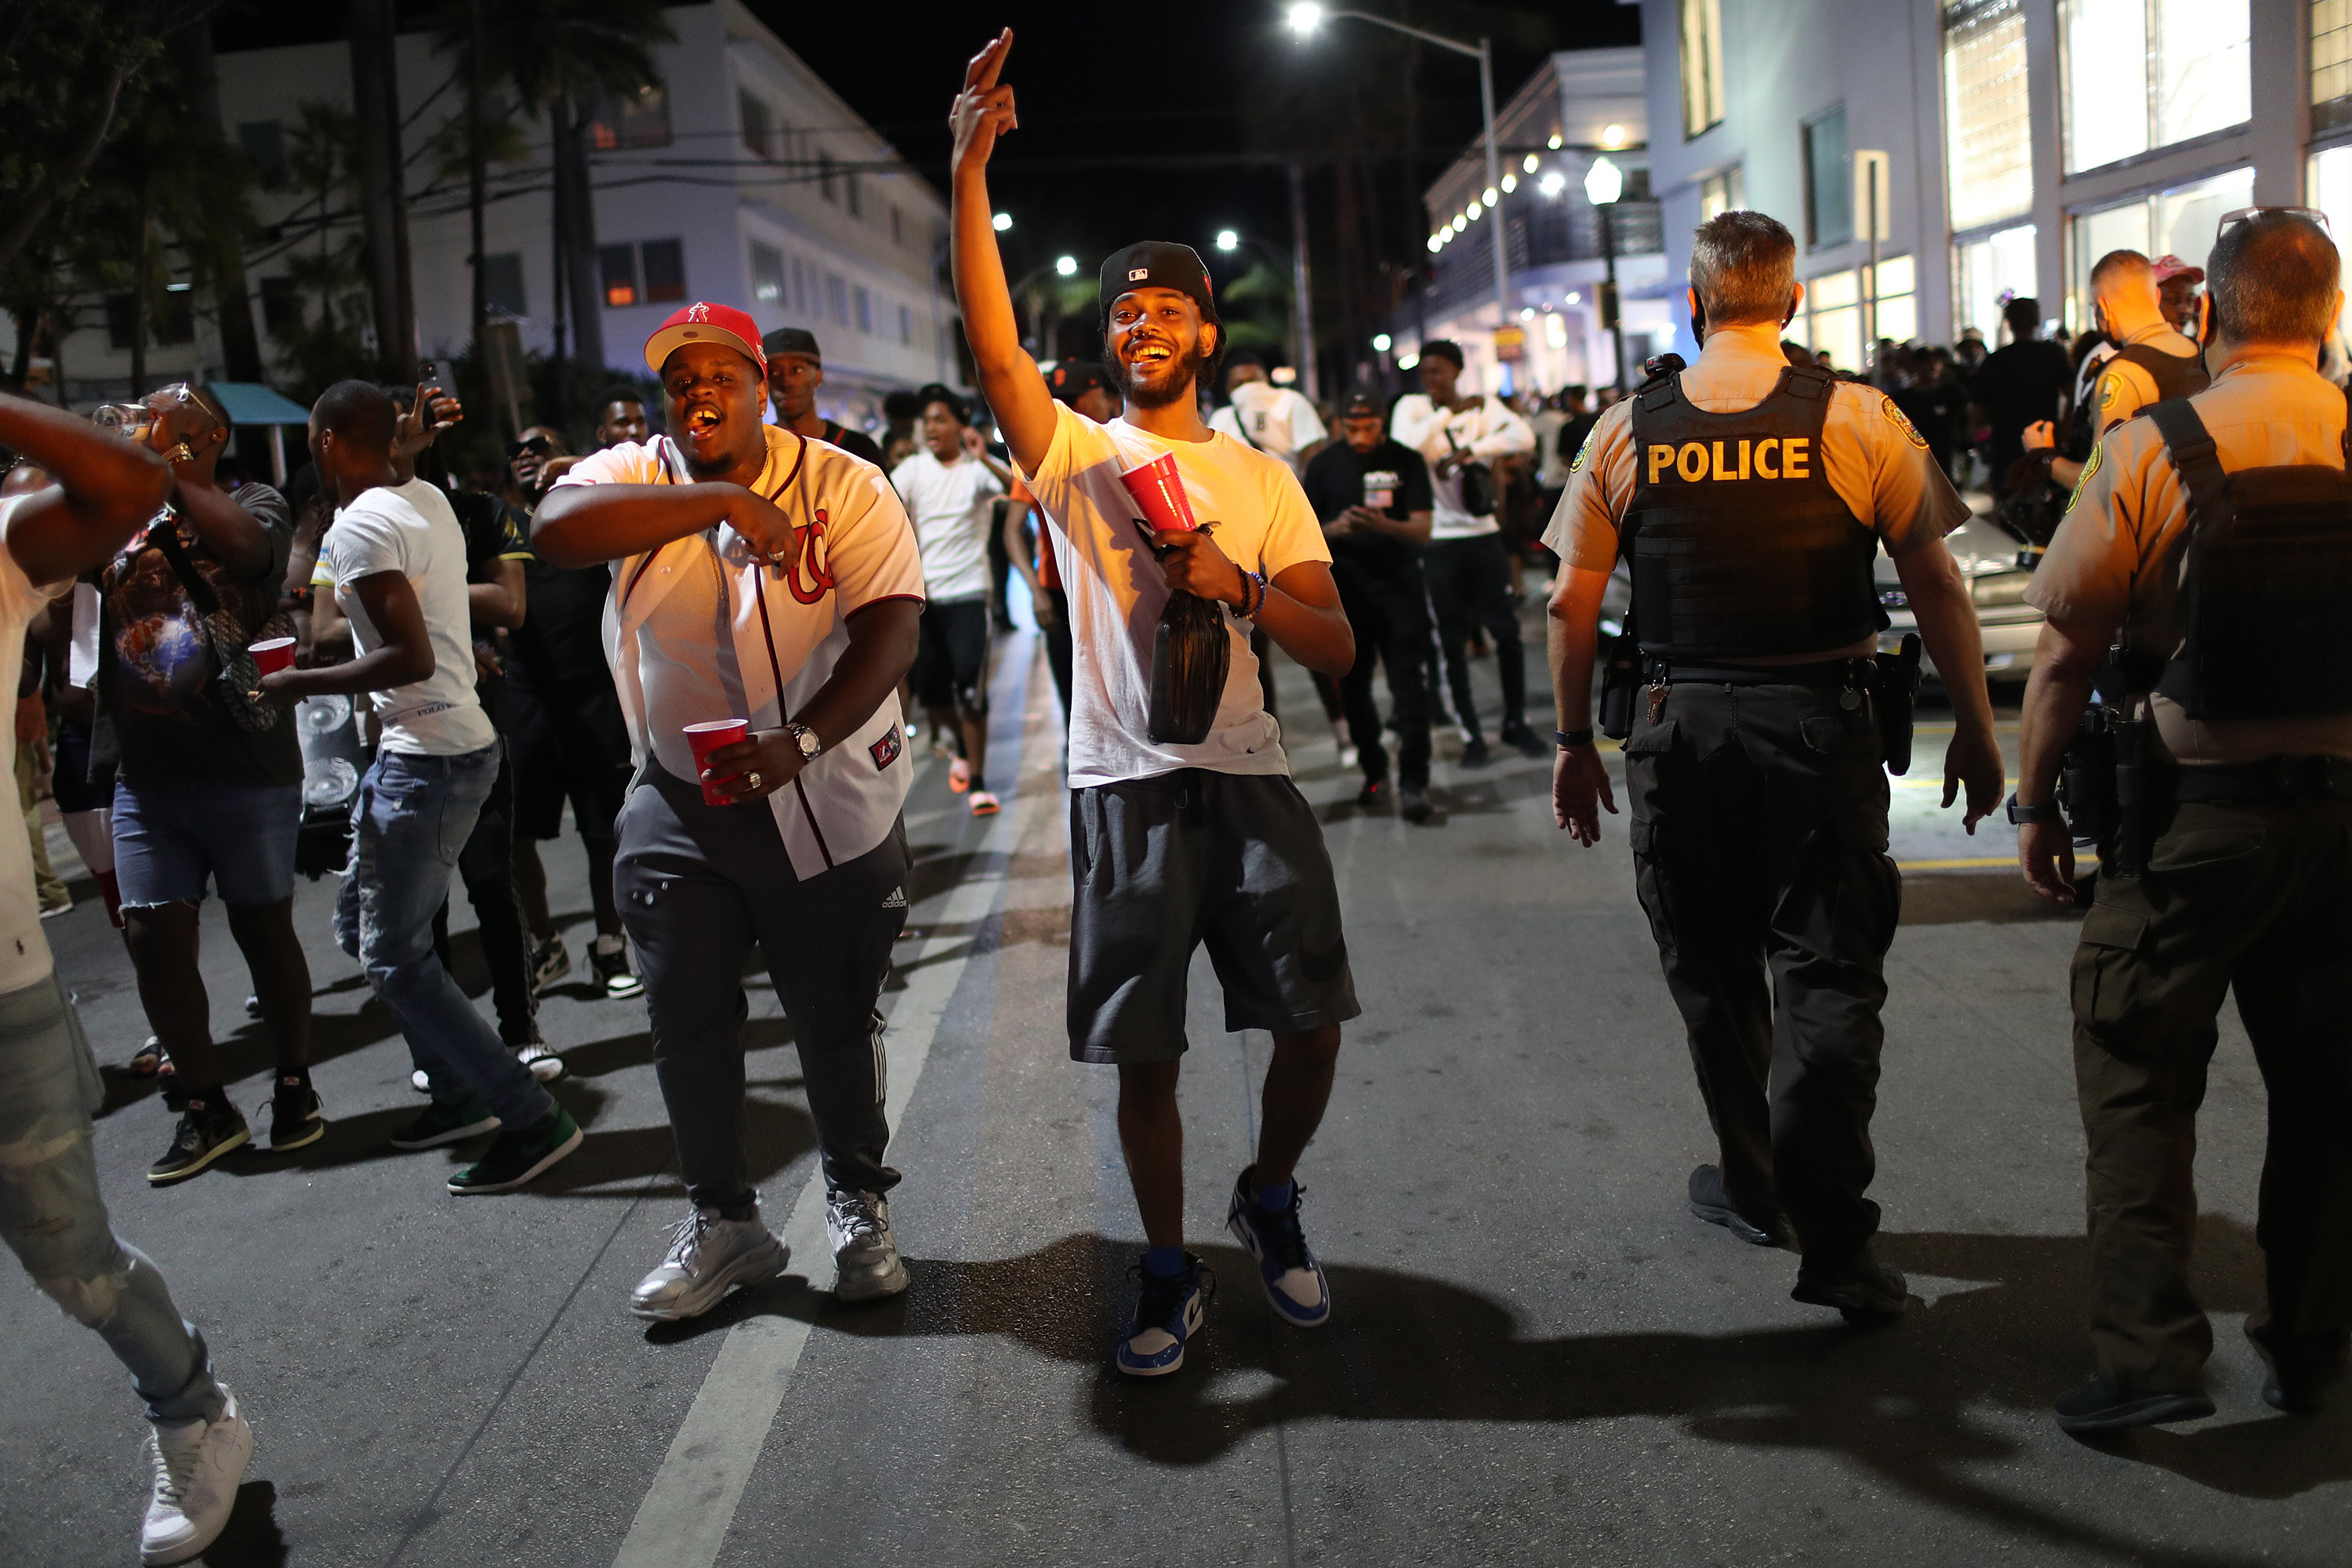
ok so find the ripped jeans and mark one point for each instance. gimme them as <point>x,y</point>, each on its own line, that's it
<point>413,817</point>
<point>56,1224</point>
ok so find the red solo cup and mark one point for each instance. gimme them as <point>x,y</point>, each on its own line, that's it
<point>705,739</point>
<point>270,656</point>
<point>1160,492</point>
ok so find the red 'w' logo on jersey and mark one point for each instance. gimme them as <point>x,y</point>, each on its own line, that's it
<point>813,561</point>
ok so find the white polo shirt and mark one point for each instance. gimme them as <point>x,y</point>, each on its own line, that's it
<point>701,629</point>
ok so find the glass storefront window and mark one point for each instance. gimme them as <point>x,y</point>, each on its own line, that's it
<point>1985,270</point>
<point>1702,63</point>
<point>2141,74</point>
<point>1989,139</point>
<point>2179,222</point>
<point>1833,317</point>
<point>2331,64</point>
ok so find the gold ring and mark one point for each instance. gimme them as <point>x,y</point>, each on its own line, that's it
<point>751,781</point>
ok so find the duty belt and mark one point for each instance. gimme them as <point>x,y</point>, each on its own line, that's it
<point>1828,672</point>
<point>2281,780</point>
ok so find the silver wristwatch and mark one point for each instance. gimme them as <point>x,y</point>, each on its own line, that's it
<point>806,739</point>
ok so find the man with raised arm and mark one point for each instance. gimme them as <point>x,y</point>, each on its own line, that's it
<point>1172,845</point>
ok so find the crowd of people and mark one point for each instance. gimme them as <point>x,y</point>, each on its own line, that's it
<point>707,640</point>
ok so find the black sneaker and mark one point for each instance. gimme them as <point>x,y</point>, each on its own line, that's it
<point>2100,1405</point>
<point>1864,1290</point>
<point>551,960</point>
<point>2298,1387</point>
<point>1373,796</point>
<point>294,1118</point>
<point>1474,753</point>
<point>1708,1203</point>
<point>1522,740</point>
<point>450,1118</point>
<point>1413,805</point>
<point>520,1154</point>
<point>612,968</point>
<point>209,1127</point>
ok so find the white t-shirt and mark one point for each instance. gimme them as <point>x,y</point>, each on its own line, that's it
<point>950,504</point>
<point>1274,419</point>
<point>411,529</point>
<point>24,951</point>
<point>1117,590</point>
<point>701,629</point>
<point>1486,429</point>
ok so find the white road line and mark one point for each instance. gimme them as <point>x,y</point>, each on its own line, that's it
<point>684,1518</point>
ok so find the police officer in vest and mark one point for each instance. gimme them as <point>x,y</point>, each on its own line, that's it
<point>2152,362</point>
<point>1749,497</point>
<point>2213,542</point>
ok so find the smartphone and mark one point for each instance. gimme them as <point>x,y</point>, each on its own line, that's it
<point>428,373</point>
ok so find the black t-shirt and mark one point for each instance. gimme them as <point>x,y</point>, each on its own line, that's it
<point>1935,412</point>
<point>855,442</point>
<point>160,721</point>
<point>1391,478</point>
<point>2018,385</point>
<point>494,532</point>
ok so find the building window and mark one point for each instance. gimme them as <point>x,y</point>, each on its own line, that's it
<point>758,129</point>
<point>836,298</point>
<point>618,264</point>
<point>170,323</point>
<point>1724,191</point>
<point>2331,64</point>
<point>281,306</point>
<point>1829,182</point>
<point>906,325</point>
<point>1989,139</point>
<point>864,303</point>
<point>639,119</point>
<point>1833,317</point>
<point>502,274</point>
<point>665,262</point>
<point>767,274</point>
<point>1702,64</point>
<point>2330,188</point>
<point>2141,74</point>
<point>2179,222</point>
<point>264,141</point>
<point>825,177</point>
<point>1897,305</point>
<point>1987,273</point>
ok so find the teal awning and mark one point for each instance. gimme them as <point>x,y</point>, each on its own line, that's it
<point>251,403</point>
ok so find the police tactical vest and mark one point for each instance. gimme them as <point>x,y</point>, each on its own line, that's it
<point>2174,376</point>
<point>2264,583</point>
<point>1740,548</point>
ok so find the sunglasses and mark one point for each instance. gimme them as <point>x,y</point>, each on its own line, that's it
<point>137,420</point>
<point>2248,215</point>
<point>536,445</point>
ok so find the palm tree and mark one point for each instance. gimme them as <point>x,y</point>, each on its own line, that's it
<point>561,57</point>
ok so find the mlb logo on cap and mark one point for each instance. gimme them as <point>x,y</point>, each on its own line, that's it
<point>705,322</point>
<point>1139,274</point>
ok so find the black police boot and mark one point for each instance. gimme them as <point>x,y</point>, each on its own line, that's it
<point>2102,1405</point>
<point>1864,1290</point>
<point>1710,1203</point>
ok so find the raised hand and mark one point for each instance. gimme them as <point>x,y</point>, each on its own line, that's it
<point>984,110</point>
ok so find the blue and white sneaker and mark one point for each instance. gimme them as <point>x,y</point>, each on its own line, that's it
<point>1293,1280</point>
<point>1167,1315</point>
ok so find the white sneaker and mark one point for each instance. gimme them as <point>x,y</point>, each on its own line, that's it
<point>708,1255</point>
<point>867,1265</point>
<point>197,1465</point>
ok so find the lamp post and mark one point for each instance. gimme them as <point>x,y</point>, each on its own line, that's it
<point>1306,16</point>
<point>1603,184</point>
<point>1302,331</point>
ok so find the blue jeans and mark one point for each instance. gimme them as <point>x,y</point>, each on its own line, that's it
<point>56,1224</point>
<point>171,840</point>
<point>413,817</point>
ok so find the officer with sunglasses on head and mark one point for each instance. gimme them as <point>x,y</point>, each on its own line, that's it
<point>2201,575</point>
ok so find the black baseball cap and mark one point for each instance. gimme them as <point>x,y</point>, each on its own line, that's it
<point>1073,378</point>
<point>1442,348</point>
<point>1361,404</point>
<point>1158,264</point>
<point>793,341</point>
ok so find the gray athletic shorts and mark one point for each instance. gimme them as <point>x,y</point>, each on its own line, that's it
<point>1164,864</point>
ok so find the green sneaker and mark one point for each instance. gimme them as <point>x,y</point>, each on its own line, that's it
<point>450,1118</point>
<point>520,1154</point>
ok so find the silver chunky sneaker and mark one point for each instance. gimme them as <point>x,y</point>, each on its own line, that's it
<point>708,1255</point>
<point>865,1261</point>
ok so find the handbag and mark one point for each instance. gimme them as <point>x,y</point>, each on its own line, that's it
<point>234,675</point>
<point>1479,495</point>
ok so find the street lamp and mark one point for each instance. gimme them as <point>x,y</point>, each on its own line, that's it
<point>1302,327</point>
<point>1604,183</point>
<point>1068,265</point>
<point>1380,342</point>
<point>1304,18</point>
<point>1227,240</point>
<point>1001,222</point>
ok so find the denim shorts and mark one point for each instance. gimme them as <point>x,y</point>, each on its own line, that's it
<point>169,839</point>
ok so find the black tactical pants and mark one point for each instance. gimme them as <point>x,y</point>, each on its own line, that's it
<point>1759,827</point>
<point>2258,899</point>
<point>1391,621</point>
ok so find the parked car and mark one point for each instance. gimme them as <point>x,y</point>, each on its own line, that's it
<point>1997,563</point>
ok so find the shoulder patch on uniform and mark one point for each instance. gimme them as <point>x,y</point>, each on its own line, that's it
<point>1575,464</point>
<point>2108,392</point>
<point>1895,417</point>
<point>2090,466</point>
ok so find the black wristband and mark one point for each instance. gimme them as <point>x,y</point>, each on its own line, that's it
<point>2021,814</point>
<point>1567,738</point>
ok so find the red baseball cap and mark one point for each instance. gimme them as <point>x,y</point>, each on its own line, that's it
<point>2169,268</point>
<point>705,322</point>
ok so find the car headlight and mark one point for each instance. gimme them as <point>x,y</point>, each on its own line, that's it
<point>1996,589</point>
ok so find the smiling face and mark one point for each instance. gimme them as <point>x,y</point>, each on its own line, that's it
<point>943,432</point>
<point>1156,342</point>
<point>714,408</point>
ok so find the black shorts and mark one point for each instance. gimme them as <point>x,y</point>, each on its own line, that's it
<point>952,660</point>
<point>1164,864</point>
<point>570,744</point>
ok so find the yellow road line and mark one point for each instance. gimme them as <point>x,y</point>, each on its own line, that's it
<point>1955,865</point>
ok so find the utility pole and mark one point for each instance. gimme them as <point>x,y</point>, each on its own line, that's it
<point>384,203</point>
<point>1501,237</point>
<point>1301,315</point>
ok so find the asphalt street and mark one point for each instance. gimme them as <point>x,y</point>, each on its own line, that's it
<point>1536,1353</point>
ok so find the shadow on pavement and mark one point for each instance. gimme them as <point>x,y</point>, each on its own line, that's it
<point>1955,897</point>
<point>251,1538</point>
<point>1998,1325</point>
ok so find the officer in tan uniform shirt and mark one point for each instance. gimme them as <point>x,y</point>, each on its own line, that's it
<point>2248,879</point>
<point>2153,361</point>
<point>1749,497</point>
